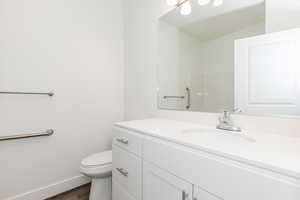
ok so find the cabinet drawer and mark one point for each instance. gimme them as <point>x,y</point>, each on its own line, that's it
<point>227,179</point>
<point>119,193</point>
<point>127,169</point>
<point>127,140</point>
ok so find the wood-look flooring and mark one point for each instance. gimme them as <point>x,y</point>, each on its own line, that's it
<point>80,193</point>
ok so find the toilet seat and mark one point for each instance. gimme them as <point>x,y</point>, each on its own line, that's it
<point>98,159</point>
<point>98,165</point>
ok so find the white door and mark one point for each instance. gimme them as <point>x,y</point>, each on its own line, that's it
<point>267,74</point>
<point>160,185</point>
<point>200,194</point>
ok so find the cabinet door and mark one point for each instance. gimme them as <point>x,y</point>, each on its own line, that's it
<point>267,74</point>
<point>127,171</point>
<point>200,194</point>
<point>160,185</point>
<point>119,192</point>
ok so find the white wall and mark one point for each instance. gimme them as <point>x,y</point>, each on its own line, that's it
<point>140,19</point>
<point>282,15</point>
<point>73,48</point>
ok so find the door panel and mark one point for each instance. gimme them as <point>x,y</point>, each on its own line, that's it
<point>266,74</point>
<point>200,194</point>
<point>120,193</point>
<point>160,185</point>
<point>127,171</point>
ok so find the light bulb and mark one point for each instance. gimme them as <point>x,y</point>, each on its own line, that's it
<point>218,2</point>
<point>203,2</point>
<point>172,2</point>
<point>186,8</point>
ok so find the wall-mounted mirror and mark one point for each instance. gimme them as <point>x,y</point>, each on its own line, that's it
<point>197,60</point>
<point>196,53</point>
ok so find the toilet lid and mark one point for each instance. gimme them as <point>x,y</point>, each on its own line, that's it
<point>98,159</point>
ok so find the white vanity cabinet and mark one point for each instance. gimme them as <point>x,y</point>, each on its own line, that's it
<point>127,165</point>
<point>200,194</point>
<point>162,170</point>
<point>161,185</point>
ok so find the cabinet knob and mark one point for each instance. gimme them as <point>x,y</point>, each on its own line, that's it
<point>122,140</point>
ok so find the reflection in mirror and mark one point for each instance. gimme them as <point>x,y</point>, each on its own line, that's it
<point>196,53</point>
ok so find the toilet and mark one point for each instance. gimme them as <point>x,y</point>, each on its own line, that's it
<point>98,167</point>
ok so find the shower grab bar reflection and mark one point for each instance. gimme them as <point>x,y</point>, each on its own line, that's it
<point>188,91</point>
<point>174,97</point>
<point>50,94</point>
<point>22,136</point>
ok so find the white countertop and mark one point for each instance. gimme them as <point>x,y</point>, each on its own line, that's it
<point>275,152</point>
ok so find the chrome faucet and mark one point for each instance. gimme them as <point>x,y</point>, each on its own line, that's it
<point>226,122</point>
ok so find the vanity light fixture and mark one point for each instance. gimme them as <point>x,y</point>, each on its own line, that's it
<point>172,2</point>
<point>186,7</point>
<point>218,3</point>
<point>203,2</point>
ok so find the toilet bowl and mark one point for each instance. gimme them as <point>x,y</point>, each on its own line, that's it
<point>98,167</point>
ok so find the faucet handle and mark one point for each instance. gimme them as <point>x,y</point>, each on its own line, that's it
<point>225,117</point>
<point>226,114</point>
<point>237,110</point>
<point>226,122</point>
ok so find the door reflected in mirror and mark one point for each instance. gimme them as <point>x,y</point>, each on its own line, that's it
<point>196,54</point>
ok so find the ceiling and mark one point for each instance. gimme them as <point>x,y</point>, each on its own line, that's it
<point>208,22</point>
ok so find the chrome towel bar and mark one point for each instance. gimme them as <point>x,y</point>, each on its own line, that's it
<point>14,137</point>
<point>174,97</point>
<point>32,93</point>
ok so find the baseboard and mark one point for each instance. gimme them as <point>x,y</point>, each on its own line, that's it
<point>53,189</point>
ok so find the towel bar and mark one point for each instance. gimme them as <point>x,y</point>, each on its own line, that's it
<point>173,97</point>
<point>14,137</point>
<point>32,93</point>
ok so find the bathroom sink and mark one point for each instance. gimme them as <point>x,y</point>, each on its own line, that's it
<point>218,136</point>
